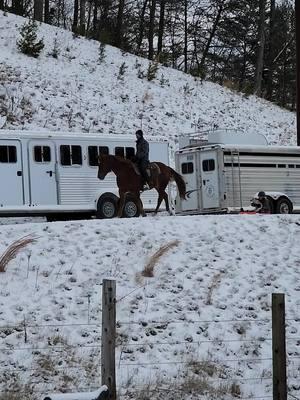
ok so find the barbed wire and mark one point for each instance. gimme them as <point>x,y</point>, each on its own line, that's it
<point>81,346</point>
<point>21,325</point>
<point>191,321</point>
<point>198,342</point>
<point>224,361</point>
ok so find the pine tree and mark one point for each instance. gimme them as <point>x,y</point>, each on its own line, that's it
<point>28,43</point>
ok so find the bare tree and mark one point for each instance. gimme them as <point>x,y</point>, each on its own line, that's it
<point>75,17</point>
<point>269,90</point>
<point>47,12</point>
<point>161,27</point>
<point>82,17</point>
<point>38,10</point>
<point>141,29</point>
<point>261,47</point>
<point>185,36</point>
<point>220,8</point>
<point>119,28</point>
<point>151,29</point>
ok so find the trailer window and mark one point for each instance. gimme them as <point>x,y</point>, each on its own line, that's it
<point>70,155</point>
<point>119,151</point>
<point>130,152</point>
<point>42,154</point>
<point>187,168</point>
<point>208,165</point>
<point>94,152</point>
<point>8,154</point>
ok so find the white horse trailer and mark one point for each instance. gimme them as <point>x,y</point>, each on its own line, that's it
<point>224,177</point>
<point>56,174</point>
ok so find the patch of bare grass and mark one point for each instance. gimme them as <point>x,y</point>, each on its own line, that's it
<point>216,280</point>
<point>14,249</point>
<point>148,271</point>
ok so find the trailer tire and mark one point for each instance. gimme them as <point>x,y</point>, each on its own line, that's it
<point>131,209</point>
<point>107,206</point>
<point>283,206</point>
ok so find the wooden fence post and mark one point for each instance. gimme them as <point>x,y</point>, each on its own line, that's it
<point>108,340</point>
<point>279,347</point>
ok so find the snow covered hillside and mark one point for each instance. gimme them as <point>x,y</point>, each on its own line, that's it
<point>201,324</point>
<point>76,92</point>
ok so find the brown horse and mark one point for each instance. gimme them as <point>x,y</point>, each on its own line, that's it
<point>129,181</point>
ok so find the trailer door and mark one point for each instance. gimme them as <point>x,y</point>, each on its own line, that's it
<point>188,170</point>
<point>11,173</point>
<point>209,179</point>
<point>42,161</point>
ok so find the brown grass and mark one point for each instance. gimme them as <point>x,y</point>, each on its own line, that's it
<point>15,248</point>
<point>216,280</point>
<point>148,271</point>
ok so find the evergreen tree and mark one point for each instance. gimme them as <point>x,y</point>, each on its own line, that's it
<point>28,43</point>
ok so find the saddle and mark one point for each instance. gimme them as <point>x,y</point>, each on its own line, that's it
<point>152,170</point>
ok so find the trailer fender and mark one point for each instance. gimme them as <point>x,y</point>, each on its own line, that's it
<point>281,203</point>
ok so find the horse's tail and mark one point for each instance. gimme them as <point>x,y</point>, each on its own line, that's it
<point>180,183</point>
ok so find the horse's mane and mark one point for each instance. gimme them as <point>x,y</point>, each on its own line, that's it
<point>123,160</point>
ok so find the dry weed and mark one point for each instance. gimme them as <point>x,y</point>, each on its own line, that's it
<point>149,268</point>
<point>15,248</point>
<point>216,280</point>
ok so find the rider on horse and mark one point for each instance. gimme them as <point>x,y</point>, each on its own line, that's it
<point>142,157</point>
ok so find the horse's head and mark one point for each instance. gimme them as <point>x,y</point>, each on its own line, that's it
<point>104,166</point>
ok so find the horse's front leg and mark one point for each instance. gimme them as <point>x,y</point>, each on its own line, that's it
<point>121,204</point>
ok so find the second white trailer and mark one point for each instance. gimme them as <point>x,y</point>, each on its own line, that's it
<point>224,177</point>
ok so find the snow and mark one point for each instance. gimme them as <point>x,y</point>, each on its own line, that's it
<point>76,92</point>
<point>204,319</point>
<point>209,300</point>
<point>78,396</point>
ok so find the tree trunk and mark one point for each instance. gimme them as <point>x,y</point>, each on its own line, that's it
<point>17,7</point>
<point>269,81</point>
<point>161,26</point>
<point>211,36</point>
<point>38,10</point>
<point>75,17</point>
<point>261,47</point>
<point>95,20</point>
<point>142,25</point>
<point>47,12</point>
<point>82,17</point>
<point>88,23</point>
<point>1,4</point>
<point>151,29</point>
<point>119,28</point>
<point>185,36</point>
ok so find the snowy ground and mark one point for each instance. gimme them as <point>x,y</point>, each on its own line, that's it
<point>75,92</point>
<point>203,317</point>
<point>203,321</point>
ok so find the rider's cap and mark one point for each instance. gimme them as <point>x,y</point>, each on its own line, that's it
<point>261,194</point>
<point>139,132</point>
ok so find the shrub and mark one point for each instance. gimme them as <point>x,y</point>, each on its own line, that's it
<point>152,71</point>
<point>28,43</point>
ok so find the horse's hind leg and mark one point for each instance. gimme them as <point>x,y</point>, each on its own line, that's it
<point>159,200</point>
<point>140,207</point>
<point>166,199</point>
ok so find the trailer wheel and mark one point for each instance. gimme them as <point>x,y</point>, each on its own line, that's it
<point>284,206</point>
<point>107,206</point>
<point>131,209</point>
